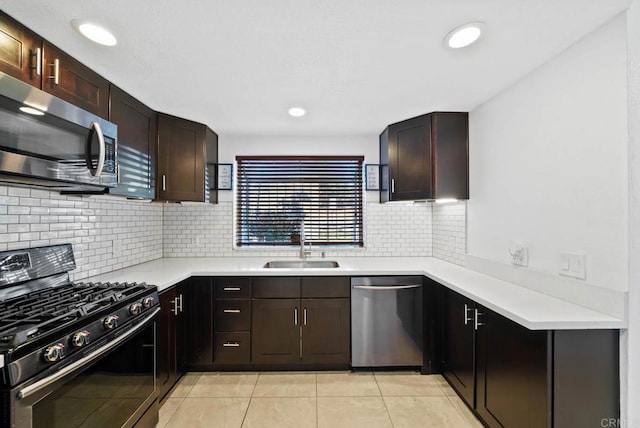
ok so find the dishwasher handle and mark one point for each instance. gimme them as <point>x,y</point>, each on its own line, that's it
<point>386,287</point>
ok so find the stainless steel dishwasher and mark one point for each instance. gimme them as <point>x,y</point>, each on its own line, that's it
<point>386,321</point>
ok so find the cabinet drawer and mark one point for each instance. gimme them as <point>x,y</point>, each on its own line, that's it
<point>286,287</point>
<point>232,348</point>
<point>232,315</point>
<point>325,287</point>
<point>233,288</point>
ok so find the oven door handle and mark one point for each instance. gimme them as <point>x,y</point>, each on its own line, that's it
<point>43,383</point>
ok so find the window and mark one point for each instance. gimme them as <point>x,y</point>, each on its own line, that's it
<point>276,194</point>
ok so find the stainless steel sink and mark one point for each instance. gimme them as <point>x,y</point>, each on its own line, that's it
<point>301,264</point>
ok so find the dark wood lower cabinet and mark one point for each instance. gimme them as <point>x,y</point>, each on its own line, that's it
<point>512,368</point>
<point>458,357</point>
<point>275,331</point>
<point>199,311</point>
<point>325,327</point>
<point>514,377</point>
<point>172,339</point>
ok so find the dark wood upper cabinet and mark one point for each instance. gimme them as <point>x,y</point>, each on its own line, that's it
<point>72,81</point>
<point>20,51</point>
<point>137,127</point>
<point>426,157</point>
<point>187,154</point>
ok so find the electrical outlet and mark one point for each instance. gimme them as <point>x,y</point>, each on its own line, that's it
<point>573,265</point>
<point>519,254</point>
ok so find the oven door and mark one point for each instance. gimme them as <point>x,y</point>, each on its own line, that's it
<point>112,386</point>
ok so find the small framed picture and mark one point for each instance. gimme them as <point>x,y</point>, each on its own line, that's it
<point>225,176</point>
<point>372,177</point>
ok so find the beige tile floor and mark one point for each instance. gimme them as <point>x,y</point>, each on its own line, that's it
<point>314,400</point>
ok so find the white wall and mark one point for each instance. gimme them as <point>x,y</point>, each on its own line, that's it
<point>630,341</point>
<point>548,162</point>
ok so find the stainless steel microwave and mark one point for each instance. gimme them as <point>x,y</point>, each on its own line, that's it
<point>48,142</point>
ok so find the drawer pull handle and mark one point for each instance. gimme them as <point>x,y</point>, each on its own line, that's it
<point>231,345</point>
<point>231,288</point>
<point>231,311</point>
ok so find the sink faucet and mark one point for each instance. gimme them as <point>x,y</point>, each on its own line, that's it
<point>303,252</point>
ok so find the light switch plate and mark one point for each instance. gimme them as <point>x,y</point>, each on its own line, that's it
<point>573,265</point>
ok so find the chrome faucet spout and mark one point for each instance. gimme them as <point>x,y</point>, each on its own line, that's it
<point>303,252</point>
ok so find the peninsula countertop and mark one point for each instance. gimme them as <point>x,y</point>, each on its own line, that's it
<point>531,309</point>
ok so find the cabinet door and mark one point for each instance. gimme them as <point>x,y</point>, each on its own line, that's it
<point>326,331</point>
<point>459,345</point>
<point>180,172</point>
<point>410,159</point>
<point>166,342</point>
<point>137,125</point>
<point>185,308</point>
<point>19,48</point>
<point>200,321</point>
<point>511,374</point>
<point>70,80</point>
<point>275,331</point>
<point>450,133</point>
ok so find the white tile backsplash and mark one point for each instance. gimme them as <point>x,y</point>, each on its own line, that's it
<point>110,233</point>
<point>107,233</point>
<point>449,231</point>
<point>207,231</point>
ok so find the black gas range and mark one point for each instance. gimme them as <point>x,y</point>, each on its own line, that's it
<point>58,337</point>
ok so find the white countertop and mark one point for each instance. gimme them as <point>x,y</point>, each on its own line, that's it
<point>529,308</point>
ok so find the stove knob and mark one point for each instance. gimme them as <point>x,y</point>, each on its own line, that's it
<point>147,302</point>
<point>135,309</point>
<point>110,322</point>
<point>54,353</point>
<point>80,339</point>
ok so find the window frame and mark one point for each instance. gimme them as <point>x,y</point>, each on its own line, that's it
<point>359,235</point>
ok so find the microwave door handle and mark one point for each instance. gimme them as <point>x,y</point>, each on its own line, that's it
<point>95,127</point>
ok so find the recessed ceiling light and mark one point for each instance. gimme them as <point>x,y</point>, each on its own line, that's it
<point>94,32</point>
<point>31,110</point>
<point>297,111</point>
<point>464,35</point>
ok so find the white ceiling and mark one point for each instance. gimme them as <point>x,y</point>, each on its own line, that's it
<point>355,65</point>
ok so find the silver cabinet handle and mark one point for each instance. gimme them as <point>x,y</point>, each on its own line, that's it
<point>386,287</point>
<point>35,387</point>
<point>231,288</point>
<point>181,309</point>
<point>38,67</point>
<point>304,316</point>
<point>467,320</point>
<point>231,345</point>
<point>393,185</point>
<point>164,182</point>
<point>295,316</point>
<point>174,309</point>
<point>476,322</point>
<point>95,127</point>
<point>231,311</point>
<point>56,71</point>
